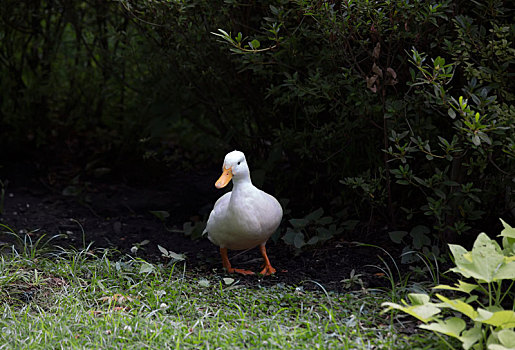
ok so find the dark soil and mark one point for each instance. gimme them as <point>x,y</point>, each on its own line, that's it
<point>118,215</point>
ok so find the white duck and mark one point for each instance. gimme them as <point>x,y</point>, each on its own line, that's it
<point>243,218</point>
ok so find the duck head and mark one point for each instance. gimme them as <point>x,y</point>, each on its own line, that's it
<point>235,167</point>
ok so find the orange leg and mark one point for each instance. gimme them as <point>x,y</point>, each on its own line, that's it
<point>227,264</point>
<point>268,269</point>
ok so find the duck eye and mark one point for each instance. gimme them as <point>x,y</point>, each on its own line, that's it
<point>239,163</point>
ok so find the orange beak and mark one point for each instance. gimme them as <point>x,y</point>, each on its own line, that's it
<point>224,179</point>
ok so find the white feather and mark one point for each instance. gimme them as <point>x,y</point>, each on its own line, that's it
<point>245,217</point>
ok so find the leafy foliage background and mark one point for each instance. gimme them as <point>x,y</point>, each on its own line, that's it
<point>350,106</point>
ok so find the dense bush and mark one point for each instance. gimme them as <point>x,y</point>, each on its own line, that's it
<point>421,139</point>
<point>68,69</point>
<point>389,111</point>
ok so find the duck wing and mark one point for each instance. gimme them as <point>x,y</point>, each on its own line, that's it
<point>216,220</point>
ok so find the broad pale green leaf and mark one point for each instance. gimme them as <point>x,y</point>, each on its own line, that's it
<point>507,338</point>
<point>460,287</point>
<point>146,268</point>
<point>421,309</point>
<point>452,326</point>
<point>471,337</point>
<point>176,256</point>
<point>498,347</point>
<point>228,281</point>
<point>506,271</point>
<point>482,262</point>
<point>424,313</point>
<point>204,283</point>
<point>508,230</point>
<point>458,252</point>
<point>459,305</point>
<point>164,251</point>
<point>508,238</point>
<point>503,318</point>
<point>418,298</point>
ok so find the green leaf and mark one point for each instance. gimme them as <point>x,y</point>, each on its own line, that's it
<point>325,234</point>
<point>299,223</point>
<point>452,326</point>
<point>508,238</point>
<point>507,338</point>
<point>440,193</point>
<point>203,283</point>
<point>146,268</point>
<point>326,220</point>
<point>498,347</point>
<point>298,240</point>
<point>484,137</point>
<point>160,214</point>
<point>450,183</point>
<point>176,256</point>
<point>418,298</point>
<point>172,255</point>
<point>163,251</point>
<point>508,230</point>
<point>459,305</point>
<point>482,263</point>
<point>420,238</point>
<point>421,309</point>
<point>313,240</point>
<point>228,281</point>
<point>470,337</point>
<point>460,286</point>
<point>317,214</point>
<point>424,313</point>
<point>503,318</point>
<point>396,236</point>
<point>507,270</point>
<point>289,236</point>
<point>254,44</point>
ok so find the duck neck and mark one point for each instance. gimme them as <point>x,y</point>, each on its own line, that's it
<point>240,186</point>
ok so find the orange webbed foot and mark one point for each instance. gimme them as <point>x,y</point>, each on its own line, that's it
<point>241,271</point>
<point>228,267</point>
<point>267,270</point>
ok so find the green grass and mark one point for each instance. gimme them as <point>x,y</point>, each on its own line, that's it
<point>84,299</point>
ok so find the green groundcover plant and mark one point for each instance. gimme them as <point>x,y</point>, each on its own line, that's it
<point>484,317</point>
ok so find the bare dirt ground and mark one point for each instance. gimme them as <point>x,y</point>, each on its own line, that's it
<point>115,213</point>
